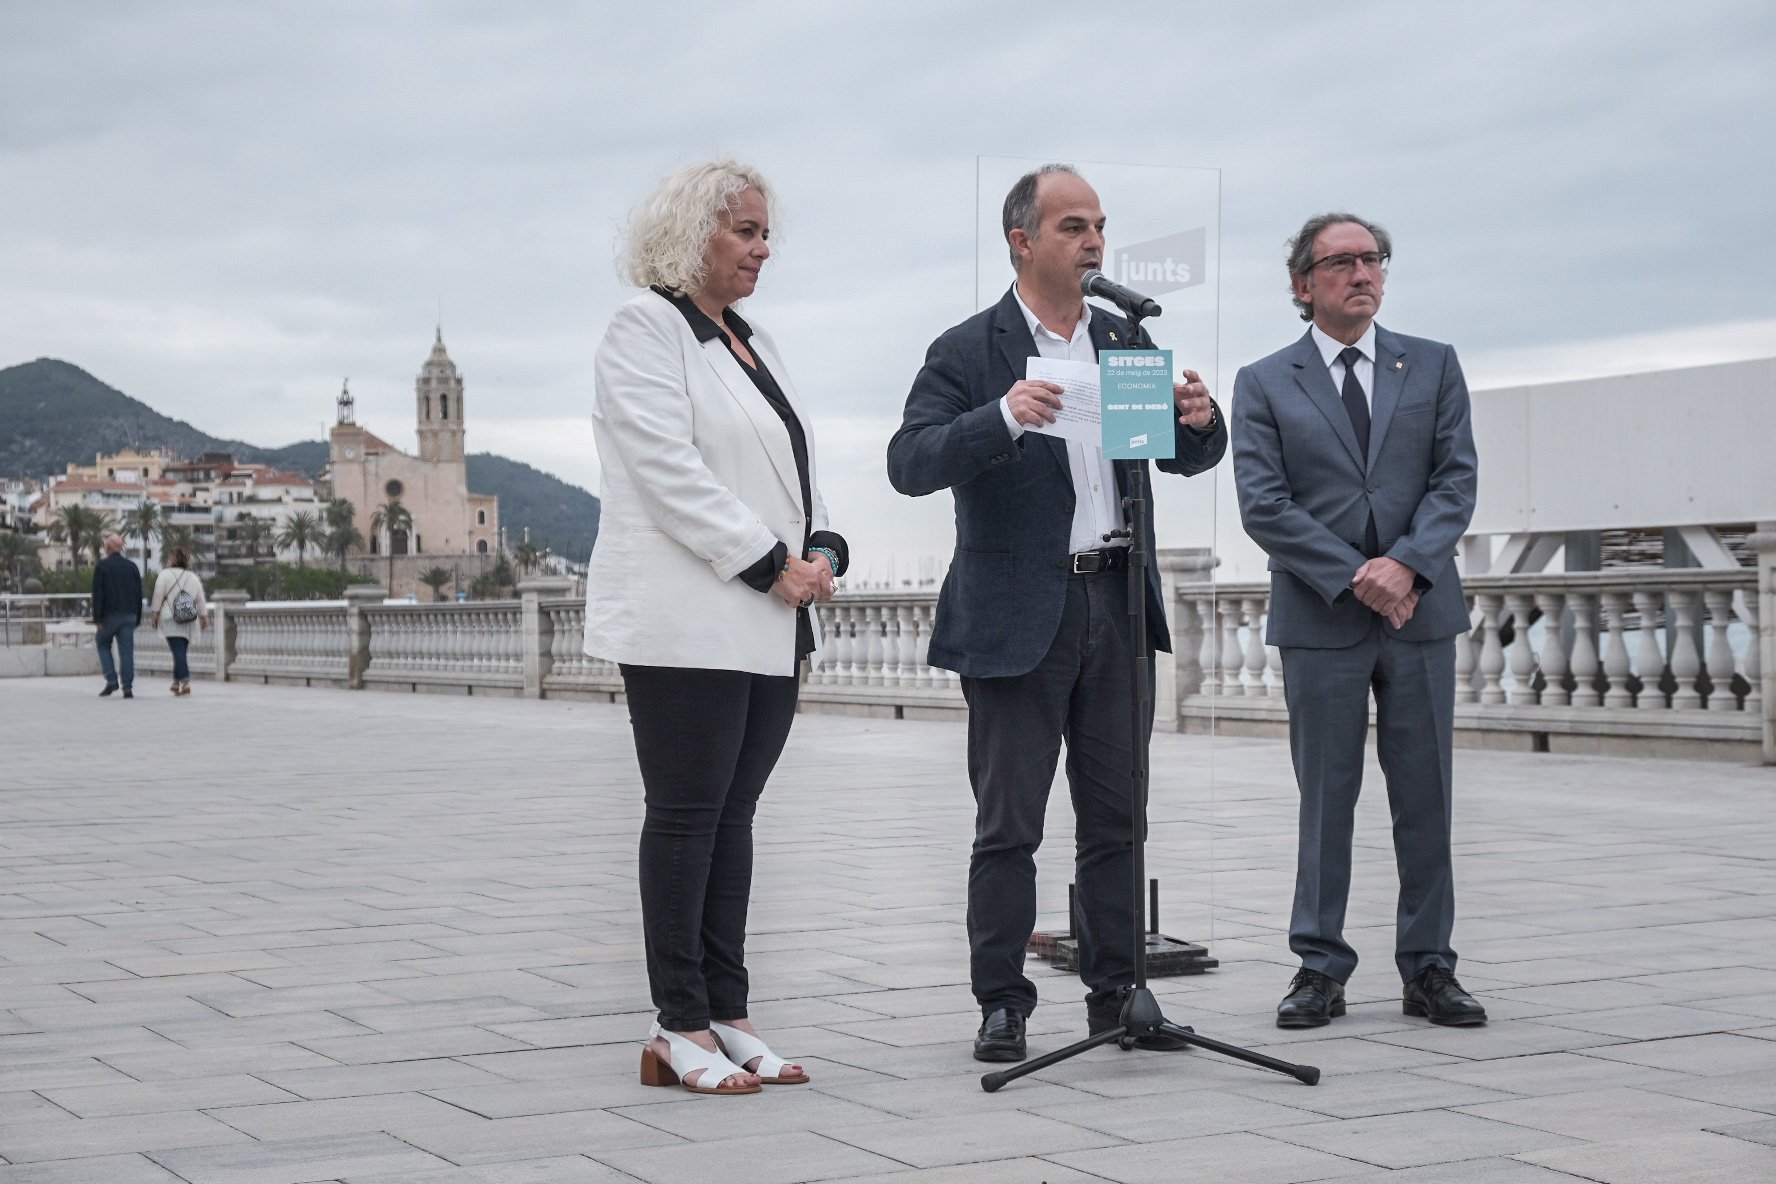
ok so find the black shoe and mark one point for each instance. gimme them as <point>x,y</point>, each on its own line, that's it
<point>110,687</point>
<point>1100,1020</point>
<point>1434,994</point>
<point>128,694</point>
<point>1313,1001</point>
<point>1001,1037</point>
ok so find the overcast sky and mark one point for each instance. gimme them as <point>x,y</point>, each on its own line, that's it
<point>223,209</point>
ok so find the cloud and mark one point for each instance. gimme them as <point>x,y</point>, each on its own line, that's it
<point>223,209</point>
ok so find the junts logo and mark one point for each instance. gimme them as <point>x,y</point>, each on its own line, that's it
<point>1162,265</point>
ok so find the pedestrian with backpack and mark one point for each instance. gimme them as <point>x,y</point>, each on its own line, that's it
<point>179,610</point>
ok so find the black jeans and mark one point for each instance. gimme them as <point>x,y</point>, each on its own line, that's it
<point>706,741</point>
<point>1079,692</point>
<point>181,668</point>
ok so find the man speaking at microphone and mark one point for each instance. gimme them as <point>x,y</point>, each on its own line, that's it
<point>1033,613</point>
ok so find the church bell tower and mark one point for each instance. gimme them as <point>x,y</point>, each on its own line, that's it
<point>438,405</point>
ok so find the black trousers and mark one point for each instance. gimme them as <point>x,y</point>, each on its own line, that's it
<point>1080,692</point>
<point>706,741</point>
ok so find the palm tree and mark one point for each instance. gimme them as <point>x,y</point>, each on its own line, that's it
<point>18,555</point>
<point>341,539</point>
<point>393,517</point>
<point>340,512</point>
<point>435,578</point>
<point>143,521</point>
<point>528,555</point>
<point>302,530</point>
<point>82,528</point>
<point>182,536</point>
<point>255,532</point>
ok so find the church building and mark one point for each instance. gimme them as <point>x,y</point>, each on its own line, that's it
<point>433,487</point>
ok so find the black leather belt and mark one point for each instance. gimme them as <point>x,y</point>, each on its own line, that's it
<point>1086,563</point>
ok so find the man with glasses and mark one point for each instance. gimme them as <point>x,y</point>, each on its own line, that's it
<point>1354,459</point>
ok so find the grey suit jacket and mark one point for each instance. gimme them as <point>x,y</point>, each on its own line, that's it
<point>1305,493</point>
<point>1000,606</point>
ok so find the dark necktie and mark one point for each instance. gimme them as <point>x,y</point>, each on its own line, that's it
<point>1357,407</point>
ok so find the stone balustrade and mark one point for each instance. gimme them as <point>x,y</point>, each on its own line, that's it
<point>572,672</point>
<point>153,656</point>
<point>1630,661</point>
<point>874,661</point>
<point>477,645</point>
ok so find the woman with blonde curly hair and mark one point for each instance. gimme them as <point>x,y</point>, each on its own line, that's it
<point>712,545</point>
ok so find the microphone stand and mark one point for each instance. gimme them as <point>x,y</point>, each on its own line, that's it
<point>1141,1015</point>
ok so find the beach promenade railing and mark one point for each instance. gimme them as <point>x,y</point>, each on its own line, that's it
<point>1628,661</point>
<point>1637,662</point>
<point>25,617</point>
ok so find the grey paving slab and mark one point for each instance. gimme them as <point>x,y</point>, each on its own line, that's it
<point>429,972</point>
<point>338,1116</point>
<point>469,1139</point>
<point>937,1142</point>
<point>1418,1138</point>
<point>1761,1131</point>
<point>348,1081</point>
<point>1698,1158</point>
<point>1747,1091</point>
<point>1548,1074</point>
<point>32,1142</point>
<point>145,1097</point>
<point>1226,1159</point>
<point>1469,1171</point>
<point>297,1161</point>
<point>1158,1117</point>
<point>1603,1115</point>
<point>557,1169</point>
<point>1716,1055</point>
<point>108,1169</point>
<point>1022,1170</point>
<point>790,1159</point>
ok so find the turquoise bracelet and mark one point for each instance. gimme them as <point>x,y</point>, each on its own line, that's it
<point>832,557</point>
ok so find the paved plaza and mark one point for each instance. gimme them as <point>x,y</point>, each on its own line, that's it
<point>272,935</point>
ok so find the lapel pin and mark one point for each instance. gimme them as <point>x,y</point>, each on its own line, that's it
<point>1399,365</point>
<point>1112,335</point>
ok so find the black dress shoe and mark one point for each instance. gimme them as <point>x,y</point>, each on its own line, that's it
<point>110,688</point>
<point>128,694</point>
<point>1001,1037</point>
<point>1312,1002</point>
<point>1434,994</point>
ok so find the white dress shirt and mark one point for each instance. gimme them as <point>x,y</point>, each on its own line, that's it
<point>1097,503</point>
<point>1330,349</point>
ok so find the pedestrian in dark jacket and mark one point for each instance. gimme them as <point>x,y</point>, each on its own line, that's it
<point>117,610</point>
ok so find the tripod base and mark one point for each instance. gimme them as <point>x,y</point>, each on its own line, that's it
<point>1140,1017</point>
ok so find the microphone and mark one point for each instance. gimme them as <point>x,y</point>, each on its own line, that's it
<point>1131,302</point>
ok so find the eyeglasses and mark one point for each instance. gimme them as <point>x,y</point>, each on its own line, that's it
<point>1344,263</point>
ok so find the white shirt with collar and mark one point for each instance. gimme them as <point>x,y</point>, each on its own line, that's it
<point>1097,502</point>
<point>1330,349</point>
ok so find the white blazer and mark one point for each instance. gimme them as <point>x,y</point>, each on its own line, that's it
<point>698,482</point>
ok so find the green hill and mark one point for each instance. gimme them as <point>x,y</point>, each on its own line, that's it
<point>53,413</point>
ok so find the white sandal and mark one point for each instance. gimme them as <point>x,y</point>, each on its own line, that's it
<point>744,1046</point>
<point>687,1056</point>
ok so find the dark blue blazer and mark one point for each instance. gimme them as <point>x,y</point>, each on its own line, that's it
<point>116,589</point>
<point>1000,606</point>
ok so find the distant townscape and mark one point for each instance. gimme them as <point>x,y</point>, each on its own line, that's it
<point>296,522</point>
